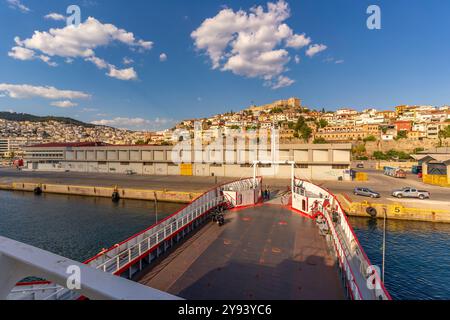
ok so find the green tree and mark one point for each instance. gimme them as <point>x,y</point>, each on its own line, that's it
<point>320,140</point>
<point>306,133</point>
<point>359,150</point>
<point>378,155</point>
<point>302,130</point>
<point>402,134</point>
<point>276,110</point>
<point>140,142</point>
<point>445,133</point>
<point>370,138</point>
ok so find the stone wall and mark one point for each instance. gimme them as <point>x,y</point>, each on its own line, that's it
<point>405,145</point>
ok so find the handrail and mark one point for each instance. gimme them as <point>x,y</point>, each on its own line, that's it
<point>301,188</point>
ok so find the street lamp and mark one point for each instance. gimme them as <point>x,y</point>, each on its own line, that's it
<point>156,207</point>
<point>384,244</point>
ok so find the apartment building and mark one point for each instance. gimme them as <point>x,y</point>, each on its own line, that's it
<point>15,145</point>
<point>433,129</point>
<point>348,133</point>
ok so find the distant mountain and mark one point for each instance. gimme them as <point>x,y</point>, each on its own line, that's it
<point>12,116</point>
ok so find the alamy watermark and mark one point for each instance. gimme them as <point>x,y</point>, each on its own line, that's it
<point>229,146</point>
<point>74,279</point>
<point>374,20</point>
<point>74,15</point>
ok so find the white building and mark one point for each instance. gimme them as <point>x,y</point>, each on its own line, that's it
<point>320,162</point>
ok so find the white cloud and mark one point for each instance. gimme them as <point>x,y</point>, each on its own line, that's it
<point>315,49</point>
<point>339,61</point>
<point>16,4</point>
<point>89,110</point>
<point>297,59</point>
<point>100,63</point>
<point>79,42</point>
<point>127,60</point>
<point>137,123</point>
<point>163,57</point>
<point>64,104</point>
<point>122,74</point>
<point>251,44</point>
<point>24,91</point>
<point>20,53</point>
<point>47,60</point>
<point>281,82</point>
<point>55,16</point>
<point>298,41</point>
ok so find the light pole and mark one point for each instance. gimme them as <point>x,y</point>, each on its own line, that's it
<point>384,244</point>
<point>156,207</point>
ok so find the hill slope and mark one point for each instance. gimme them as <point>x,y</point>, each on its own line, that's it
<point>12,116</point>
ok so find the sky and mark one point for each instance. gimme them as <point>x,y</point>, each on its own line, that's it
<point>145,65</point>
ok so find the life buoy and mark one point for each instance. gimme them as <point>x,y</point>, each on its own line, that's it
<point>115,196</point>
<point>371,211</point>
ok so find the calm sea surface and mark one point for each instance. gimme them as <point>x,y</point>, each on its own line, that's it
<point>417,253</point>
<point>417,256</point>
<point>72,226</point>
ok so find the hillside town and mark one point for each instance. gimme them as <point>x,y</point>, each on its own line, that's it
<point>419,125</point>
<point>16,134</point>
<point>369,131</point>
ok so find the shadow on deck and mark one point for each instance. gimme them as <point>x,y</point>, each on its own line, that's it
<point>266,252</point>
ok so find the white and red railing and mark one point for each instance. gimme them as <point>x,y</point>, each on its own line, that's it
<point>360,277</point>
<point>129,254</point>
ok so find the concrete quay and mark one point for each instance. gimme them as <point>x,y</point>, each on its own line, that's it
<point>94,191</point>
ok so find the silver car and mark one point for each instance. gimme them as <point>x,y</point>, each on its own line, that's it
<point>366,192</point>
<point>410,192</point>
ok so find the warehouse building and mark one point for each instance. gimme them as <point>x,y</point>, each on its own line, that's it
<point>435,166</point>
<point>321,161</point>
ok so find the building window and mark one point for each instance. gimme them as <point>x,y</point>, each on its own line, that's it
<point>302,166</point>
<point>215,165</point>
<point>340,166</point>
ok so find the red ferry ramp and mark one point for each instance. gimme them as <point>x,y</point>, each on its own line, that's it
<point>264,252</point>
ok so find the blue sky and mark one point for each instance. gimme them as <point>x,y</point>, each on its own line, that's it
<point>406,62</point>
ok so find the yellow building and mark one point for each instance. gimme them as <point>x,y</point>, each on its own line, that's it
<point>399,110</point>
<point>348,133</point>
<point>416,135</point>
<point>435,166</point>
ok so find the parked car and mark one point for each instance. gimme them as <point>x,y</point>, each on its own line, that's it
<point>360,165</point>
<point>366,192</point>
<point>410,192</point>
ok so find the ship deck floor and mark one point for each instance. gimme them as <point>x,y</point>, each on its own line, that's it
<point>266,252</point>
